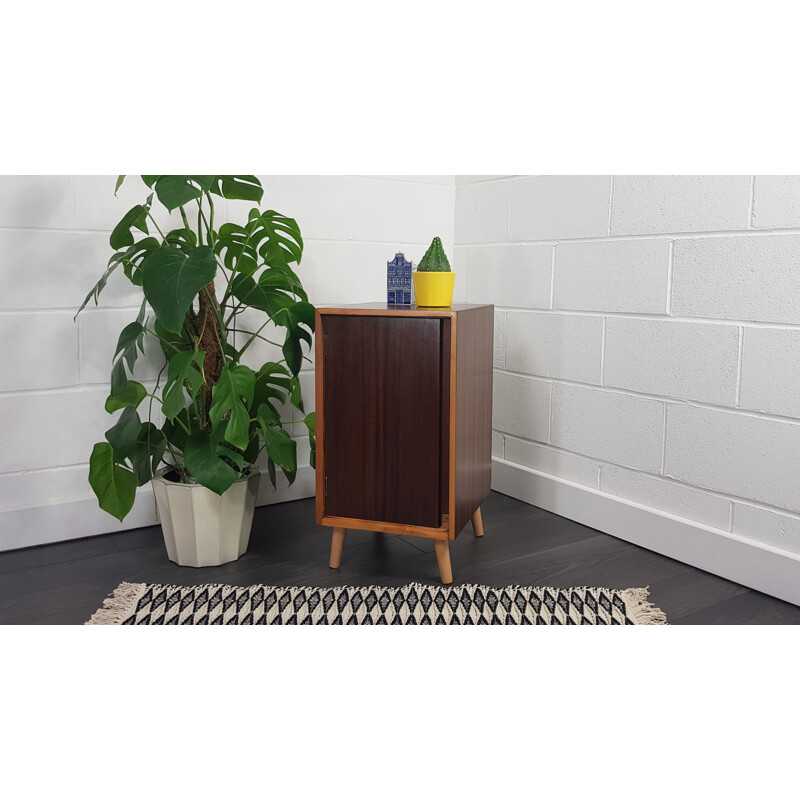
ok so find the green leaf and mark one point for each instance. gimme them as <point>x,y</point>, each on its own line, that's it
<point>233,246</point>
<point>122,436</point>
<point>121,236</point>
<point>252,294</point>
<point>276,237</point>
<point>114,486</point>
<point>267,415</point>
<point>183,368</point>
<point>118,377</point>
<point>120,179</point>
<point>203,458</point>
<point>130,338</point>
<point>238,187</point>
<point>129,396</point>
<point>311,423</point>
<point>176,190</point>
<point>113,263</point>
<point>149,450</point>
<point>295,397</point>
<point>281,448</point>
<point>149,180</point>
<point>171,280</point>
<point>271,383</point>
<point>175,432</point>
<point>233,394</point>
<point>182,238</point>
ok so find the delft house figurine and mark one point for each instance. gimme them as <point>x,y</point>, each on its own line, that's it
<point>399,285</point>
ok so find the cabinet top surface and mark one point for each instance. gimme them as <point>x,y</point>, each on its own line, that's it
<point>385,309</point>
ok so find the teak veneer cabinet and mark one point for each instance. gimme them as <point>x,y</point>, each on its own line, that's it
<point>404,418</point>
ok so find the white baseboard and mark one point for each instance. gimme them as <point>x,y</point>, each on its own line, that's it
<point>758,566</point>
<point>59,522</point>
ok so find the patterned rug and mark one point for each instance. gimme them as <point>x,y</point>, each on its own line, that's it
<point>414,604</point>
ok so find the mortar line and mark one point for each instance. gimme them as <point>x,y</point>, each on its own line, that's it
<point>610,204</point>
<point>670,261</point>
<point>752,201</point>
<point>648,396</point>
<point>603,355</point>
<point>664,441</point>
<point>737,398</point>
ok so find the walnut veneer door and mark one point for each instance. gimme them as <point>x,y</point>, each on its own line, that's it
<point>382,418</point>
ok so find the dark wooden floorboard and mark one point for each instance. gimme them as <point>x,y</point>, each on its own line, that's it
<point>64,583</point>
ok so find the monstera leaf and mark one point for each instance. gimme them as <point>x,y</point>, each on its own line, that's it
<point>231,398</point>
<point>177,190</point>
<point>184,368</point>
<point>207,459</point>
<point>113,485</point>
<point>171,280</point>
<point>238,187</point>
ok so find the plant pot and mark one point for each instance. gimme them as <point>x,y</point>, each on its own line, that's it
<point>202,528</point>
<point>434,289</point>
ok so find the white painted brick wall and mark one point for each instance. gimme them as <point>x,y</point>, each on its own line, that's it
<point>499,339</point>
<point>606,425</point>
<point>481,212</point>
<point>566,346</point>
<point>556,462</point>
<point>751,278</point>
<point>688,360</point>
<point>559,207</point>
<point>521,406</point>
<point>39,351</point>
<point>742,455</point>
<point>616,276</point>
<point>679,203</point>
<point>54,240</point>
<point>771,371</point>
<point>767,526</point>
<point>776,201</point>
<point>665,495</point>
<point>36,201</point>
<point>696,280</point>
<point>516,275</point>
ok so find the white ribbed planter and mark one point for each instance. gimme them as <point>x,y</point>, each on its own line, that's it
<point>202,528</point>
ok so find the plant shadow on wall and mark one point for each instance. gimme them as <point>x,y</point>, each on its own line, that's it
<point>219,414</point>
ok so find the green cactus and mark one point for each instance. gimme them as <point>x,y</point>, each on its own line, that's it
<point>434,259</point>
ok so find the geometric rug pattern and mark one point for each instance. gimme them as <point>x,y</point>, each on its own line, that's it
<point>413,604</point>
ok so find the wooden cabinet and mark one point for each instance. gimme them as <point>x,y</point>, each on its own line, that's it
<point>404,412</point>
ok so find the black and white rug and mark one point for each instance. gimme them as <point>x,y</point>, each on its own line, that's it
<point>414,604</point>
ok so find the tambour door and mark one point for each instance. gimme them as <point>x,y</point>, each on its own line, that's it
<point>382,423</point>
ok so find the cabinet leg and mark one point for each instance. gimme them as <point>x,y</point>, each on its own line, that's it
<point>477,523</point>
<point>337,543</point>
<point>443,557</point>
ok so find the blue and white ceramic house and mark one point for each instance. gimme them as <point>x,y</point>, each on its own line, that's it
<point>399,284</point>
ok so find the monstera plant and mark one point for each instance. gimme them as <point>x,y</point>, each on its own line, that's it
<point>209,416</point>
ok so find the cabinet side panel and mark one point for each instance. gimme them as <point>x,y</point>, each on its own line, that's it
<point>473,410</point>
<point>381,428</point>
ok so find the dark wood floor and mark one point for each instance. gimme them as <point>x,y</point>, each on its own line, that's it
<point>65,583</point>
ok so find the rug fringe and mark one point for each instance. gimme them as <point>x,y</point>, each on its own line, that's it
<point>640,610</point>
<point>118,606</point>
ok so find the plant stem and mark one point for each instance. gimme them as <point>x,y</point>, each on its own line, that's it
<point>155,224</point>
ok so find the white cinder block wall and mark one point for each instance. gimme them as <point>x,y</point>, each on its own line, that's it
<point>648,345</point>
<point>54,372</point>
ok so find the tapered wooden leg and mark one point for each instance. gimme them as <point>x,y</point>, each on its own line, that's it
<point>337,543</point>
<point>443,557</point>
<point>477,523</point>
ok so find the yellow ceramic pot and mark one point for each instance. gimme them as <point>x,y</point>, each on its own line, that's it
<point>434,288</point>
